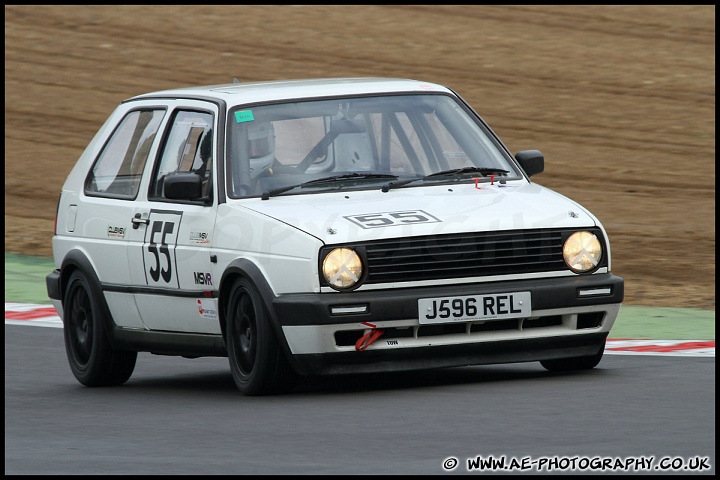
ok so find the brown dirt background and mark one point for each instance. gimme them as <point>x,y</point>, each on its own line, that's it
<point>620,99</point>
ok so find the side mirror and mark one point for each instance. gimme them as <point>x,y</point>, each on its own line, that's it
<point>531,161</point>
<point>182,186</point>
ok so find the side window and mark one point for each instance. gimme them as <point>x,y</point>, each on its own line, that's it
<point>188,148</point>
<point>118,169</point>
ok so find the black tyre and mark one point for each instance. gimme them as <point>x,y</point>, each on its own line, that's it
<point>257,363</point>
<point>92,360</point>
<point>574,363</point>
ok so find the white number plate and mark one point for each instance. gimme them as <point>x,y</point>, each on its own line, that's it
<point>474,307</point>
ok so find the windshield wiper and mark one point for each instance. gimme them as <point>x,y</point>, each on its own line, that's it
<point>448,173</point>
<point>390,185</point>
<point>461,171</point>
<point>331,179</point>
<point>348,176</point>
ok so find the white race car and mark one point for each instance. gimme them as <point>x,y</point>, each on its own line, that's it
<point>315,227</point>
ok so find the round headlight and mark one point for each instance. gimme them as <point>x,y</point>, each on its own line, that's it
<point>342,268</point>
<point>582,251</point>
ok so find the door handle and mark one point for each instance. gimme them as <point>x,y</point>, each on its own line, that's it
<point>138,220</point>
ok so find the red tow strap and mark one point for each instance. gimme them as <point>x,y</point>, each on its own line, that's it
<point>369,338</point>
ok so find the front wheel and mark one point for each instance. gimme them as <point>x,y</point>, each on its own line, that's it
<point>574,363</point>
<point>92,359</point>
<point>257,363</point>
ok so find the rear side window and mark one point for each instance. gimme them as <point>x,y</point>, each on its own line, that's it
<point>118,169</point>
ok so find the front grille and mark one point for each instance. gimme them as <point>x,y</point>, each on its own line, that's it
<point>437,257</point>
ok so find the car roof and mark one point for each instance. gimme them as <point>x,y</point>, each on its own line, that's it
<point>239,93</point>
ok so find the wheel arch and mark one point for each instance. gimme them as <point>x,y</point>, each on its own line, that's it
<point>242,267</point>
<point>77,260</point>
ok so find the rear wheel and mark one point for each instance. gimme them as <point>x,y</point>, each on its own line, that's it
<point>574,363</point>
<point>92,359</point>
<point>257,363</point>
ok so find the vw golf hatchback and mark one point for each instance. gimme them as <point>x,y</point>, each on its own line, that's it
<point>319,227</point>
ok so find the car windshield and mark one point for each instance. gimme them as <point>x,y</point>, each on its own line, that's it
<point>312,146</point>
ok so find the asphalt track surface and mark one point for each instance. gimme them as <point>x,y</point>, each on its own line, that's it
<point>640,410</point>
<point>182,416</point>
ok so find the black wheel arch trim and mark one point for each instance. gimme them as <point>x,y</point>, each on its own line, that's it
<point>246,268</point>
<point>76,260</point>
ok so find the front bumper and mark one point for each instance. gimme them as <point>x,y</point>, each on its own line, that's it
<point>571,316</point>
<point>401,303</point>
<point>53,285</point>
<point>484,353</point>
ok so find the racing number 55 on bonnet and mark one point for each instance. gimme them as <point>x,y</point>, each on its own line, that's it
<point>320,227</point>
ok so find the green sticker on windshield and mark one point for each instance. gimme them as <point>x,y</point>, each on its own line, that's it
<point>244,116</point>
